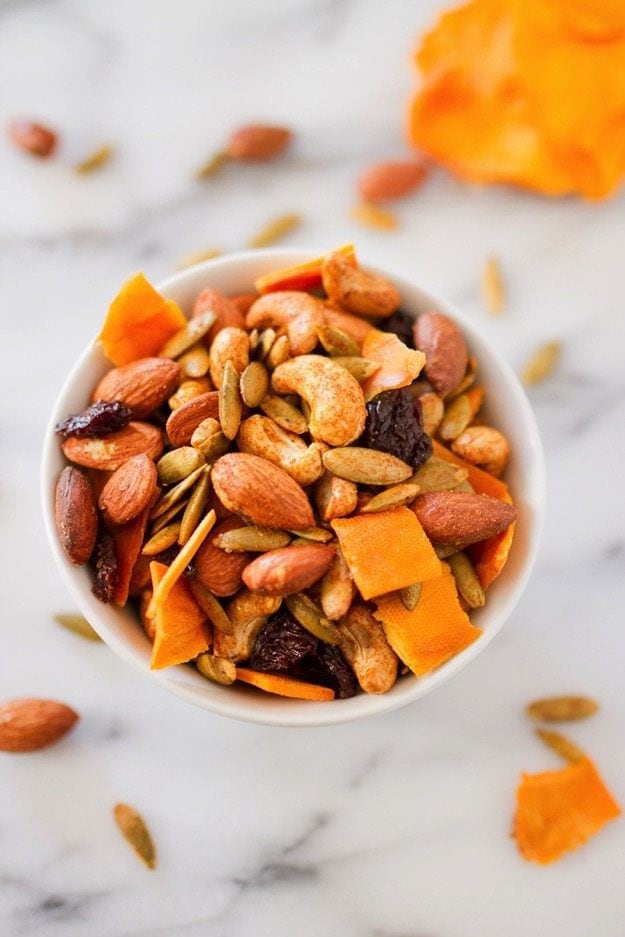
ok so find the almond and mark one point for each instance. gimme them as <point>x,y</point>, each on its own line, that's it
<point>26,725</point>
<point>75,515</point>
<point>110,452</point>
<point>289,569</point>
<point>261,492</point>
<point>33,138</point>
<point>391,180</point>
<point>461,518</point>
<point>182,423</point>
<point>129,490</point>
<point>143,385</point>
<point>258,142</point>
<point>218,571</point>
<point>444,347</point>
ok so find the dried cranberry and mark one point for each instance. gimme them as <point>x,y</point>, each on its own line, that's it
<point>402,325</point>
<point>106,571</point>
<point>329,668</point>
<point>395,424</point>
<point>282,644</point>
<point>99,419</point>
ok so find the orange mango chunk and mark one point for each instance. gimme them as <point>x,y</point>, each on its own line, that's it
<point>483,482</point>
<point>557,811</point>
<point>386,551</point>
<point>285,686</point>
<point>490,556</point>
<point>435,630</point>
<point>399,365</point>
<point>139,322</point>
<point>181,631</point>
<point>305,276</point>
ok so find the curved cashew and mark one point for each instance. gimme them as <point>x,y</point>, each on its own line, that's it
<point>356,290</point>
<point>298,313</point>
<point>230,344</point>
<point>334,397</point>
<point>247,612</point>
<point>364,644</point>
<point>261,436</point>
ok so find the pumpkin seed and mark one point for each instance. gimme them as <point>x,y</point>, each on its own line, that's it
<point>317,534</point>
<point>372,216</point>
<point>78,625</point>
<point>360,368</point>
<point>562,708</point>
<point>198,257</point>
<point>162,540</point>
<point>175,494</point>
<point>211,607</point>
<point>541,363</point>
<point>432,411</point>
<point>438,475</point>
<point>310,617</point>
<point>218,669</point>
<point>195,361</point>
<point>467,583</point>
<point>212,165</point>
<point>254,383</point>
<point>279,352</point>
<point>337,589</point>
<point>393,497</point>
<point>445,550</point>
<point>254,539</point>
<point>265,342</point>
<point>284,414</point>
<point>169,515</point>
<point>336,342</point>
<point>209,439</point>
<point>195,507</point>
<point>561,745</point>
<point>458,414</point>
<point>177,464</point>
<point>253,337</point>
<point>134,830</point>
<point>467,380</point>
<point>274,230</point>
<point>230,404</point>
<point>188,390</point>
<point>410,596</point>
<point>366,466</point>
<point>492,286</point>
<point>94,161</point>
<point>193,331</point>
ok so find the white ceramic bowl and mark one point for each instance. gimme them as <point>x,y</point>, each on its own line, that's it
<point>507,408</point>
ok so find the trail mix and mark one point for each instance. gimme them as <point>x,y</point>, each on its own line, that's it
<point>293,486</point>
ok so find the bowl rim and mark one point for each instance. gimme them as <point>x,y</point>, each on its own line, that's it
<point>303,713</point>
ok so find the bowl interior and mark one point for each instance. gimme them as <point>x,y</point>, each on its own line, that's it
<point>508,409</point>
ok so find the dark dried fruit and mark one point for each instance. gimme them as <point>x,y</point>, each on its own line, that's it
<point>100,419</point>
<point>395,425</point>
<point>400,324</point>
<point>282,644</point>
<point>106,571</point>
<point>329,668</point>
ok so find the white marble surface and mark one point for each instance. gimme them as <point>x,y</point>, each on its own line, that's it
<point>395,827</point>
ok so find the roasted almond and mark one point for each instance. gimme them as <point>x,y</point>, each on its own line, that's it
<point>33,138</point>
<point>217,570</point>
<point>258,142</point>
<point>109,452</point>
<point>288,570</point>
<point>461,518</point>
<point>261,492</point>
<point>143,385</point>
<point>75,515</point>
<point>183,421</point>
<point>26,725</point>
<point>129,490</point>
<point>391,180</point>
<point>445,350</point>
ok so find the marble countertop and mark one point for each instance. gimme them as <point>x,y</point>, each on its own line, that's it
<point>393,827</point>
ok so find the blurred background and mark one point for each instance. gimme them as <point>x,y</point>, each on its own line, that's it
<point>397,827</point>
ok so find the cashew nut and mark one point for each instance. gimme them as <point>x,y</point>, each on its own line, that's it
<point>335,497</point>
<point>261,436</point>
<point>333,395</point>
<point>247,612</point>
<point>354,289</point>
<point>483,446</point>
<point>363,642</point>
<point>230,344</point>
<point>298,313</point>
<point>337,589</point>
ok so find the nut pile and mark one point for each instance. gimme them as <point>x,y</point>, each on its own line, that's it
<point>294,485</point>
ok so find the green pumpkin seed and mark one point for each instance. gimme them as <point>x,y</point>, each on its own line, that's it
<point>218,669</point>
<point>177,464</point>
<point>445,550</point>
<point>467,583</point>
<point>316,534</point>
<point>195,507</point>
<point>466,382</point>
<point>211,607</point>
<point>78,625</point>
<point>284,414</point>
<point>458,414</point>
<point>254,383</point>
<point>162,540</point>
<point>541,363</point>
<point>133,829</point>
<point>394,497</point>
<point>279,352</point>
<point>360,368</point>
<point>212,165</point>
<point>253,337</point>
<point>562,708</point>
<point>310,617</point>
<point>195,362</point>
<point>366,466</point>
<point>175,494</point>
<point>336,342</point>
<point>230,404</point>
<point>410,596</point>
<point>274,230</point>
<point>254,539</point>
<point>193,331</point>
<point>438,475</point>
<point>561,745</point>
<point>169,515</point>
<point>265,342</point>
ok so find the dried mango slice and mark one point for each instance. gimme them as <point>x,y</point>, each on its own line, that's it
<point>399,365</point>
<point>181,629</point>
<point>306,276</point>
<point>386,551</point>
<point>560,810</point>
<point>483,482</point>
<point>139,322</point>
<point>435,630</point>
<point>285,686</point>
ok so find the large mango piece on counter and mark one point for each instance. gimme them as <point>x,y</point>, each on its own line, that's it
<point>528,92</point>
